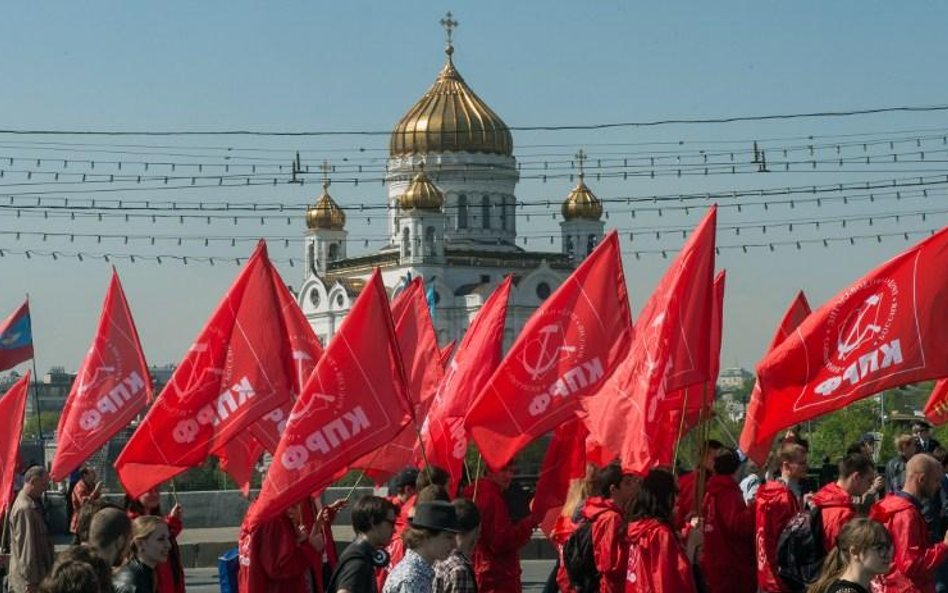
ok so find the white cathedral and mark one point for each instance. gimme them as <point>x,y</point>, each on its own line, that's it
<point>452,220</point>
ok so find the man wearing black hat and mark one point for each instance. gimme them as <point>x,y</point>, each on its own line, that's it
<point>429,538</point>
<point>923,433</point>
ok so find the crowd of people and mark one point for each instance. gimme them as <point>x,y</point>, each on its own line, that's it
<point>725,527</point>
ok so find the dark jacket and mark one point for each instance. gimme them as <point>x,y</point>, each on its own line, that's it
<point>134,577</point>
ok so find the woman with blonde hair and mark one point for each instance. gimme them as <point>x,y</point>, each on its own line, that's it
<point>863,550</point>
<point>151,543</point>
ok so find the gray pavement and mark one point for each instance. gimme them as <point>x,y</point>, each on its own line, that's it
<point>535,572</point>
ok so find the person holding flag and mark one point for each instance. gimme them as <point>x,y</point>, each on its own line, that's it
<point>777,502</point>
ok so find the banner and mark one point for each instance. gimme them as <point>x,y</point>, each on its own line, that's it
<point>16,338</point>
<point>564,352</point>
<point>936,410</point>
<point>111,387</point>
<point>699,400</point>
<point>12,409</point>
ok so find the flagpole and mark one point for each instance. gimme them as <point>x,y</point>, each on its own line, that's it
<point>477,475</point>
<point>681,430</point>
<point>36,400</point>
<point>704,433</point>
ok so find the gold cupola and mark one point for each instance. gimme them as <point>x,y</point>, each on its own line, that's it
<point>581,203</point>
<point>450,117</point>
<point>421,195</point>
<point>326,213</point>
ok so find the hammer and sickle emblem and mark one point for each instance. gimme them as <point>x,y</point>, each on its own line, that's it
<point>545,351</point>
<point>863,327</point>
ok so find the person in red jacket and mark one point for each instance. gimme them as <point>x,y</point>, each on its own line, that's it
<point>606,511</point>
<point>835,500</point>
<point>727,557</point>
<point>777,502</point>
<point>497,557</point>
<point>913,569</point>
<point>688,484</point>
<point>280,556</point>
<point>169,575</point>
<point>658,563</point>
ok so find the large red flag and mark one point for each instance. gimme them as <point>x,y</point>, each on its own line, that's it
<point>754,443</point>
<point>936,409</point>
<point>12,409</point>
<point>111,387</point>
<point>701,401</point>
<point>671,351</point>
<point>16,338</point>
<point>885,330</point>
<point>418,344</point>
<point>474,361</point>
<point>237,370</point>
<point>446,353</point>
<point>564,352</point>
<point>355,401</point>
<point>565,461</point>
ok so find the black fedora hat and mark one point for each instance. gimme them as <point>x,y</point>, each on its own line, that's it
<point>436,515</point>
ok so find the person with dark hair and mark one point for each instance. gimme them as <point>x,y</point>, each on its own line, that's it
<point>31,549</point>
<point>496,556</point>
<point>922,431</point>
<point>658,563</point>
<point>170,573</point>
<point>907,446</point>
<point>87,489</point>
<point>727,561</point>
<point>150,546</point>
<point>428,539</point>
<point>396,549</point>
<point>373,519</point>
<point>85,554</point>
<point>864,551</point>
<point>455,574</point>
<point>687,506</point>
<point>835,500</point>
<point>777,502</point>
<point>915,559</point>
<point>85,515</point>
<point>72,576</point>
<point>402,487</point>
<point>613,491</point>
<point>110,535</point>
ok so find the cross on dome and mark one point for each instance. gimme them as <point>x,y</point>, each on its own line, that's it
<point>581,158</point>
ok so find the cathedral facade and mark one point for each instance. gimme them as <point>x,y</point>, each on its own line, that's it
<point>452,220</point>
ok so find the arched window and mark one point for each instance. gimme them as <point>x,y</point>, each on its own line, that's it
<point>485,212</point>
<point>311,256</point>
<point>430,240</point>
<point>503,214</point>
<point>462,211</point>
<point>570,247</point>
<point>406,243</point>
<point>333,251</point>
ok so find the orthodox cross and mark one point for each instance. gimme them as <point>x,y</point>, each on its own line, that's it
<point>449,24</point>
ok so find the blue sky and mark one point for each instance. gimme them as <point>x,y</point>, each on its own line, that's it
<point>309,66</point>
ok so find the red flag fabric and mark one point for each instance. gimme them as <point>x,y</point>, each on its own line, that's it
<point>755,444</point>
<point>446,353</point>
<point>355,401</point>
<point>885,330</point>
<point>671,350</point>
<point>474,361</point>
<point>237,370</point>
<point>418,344</point>
<point>12,410</point>
<point>565,461</point>
<point>16,338</point>
<point>563,353</point>
<point>112,386</point>
<point>701,400</point>
<point>238,458</point>
<point>936,410</point>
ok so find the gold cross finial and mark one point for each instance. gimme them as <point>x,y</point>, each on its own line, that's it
<point>449,25</point>
<point>326,168</point>
<point>580,160</point>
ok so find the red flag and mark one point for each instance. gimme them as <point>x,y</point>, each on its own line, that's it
<point>446,353</point>
<point>565,461</point>
<point>885,330</point>
<point>12,410</point>
<point>237,370</point>
<point>757,445</point>
<point>111,387</point>
<point>355,401</point>
<point>238,458</point>
<point>671,350</point>
<point>563,354</point>
<point>475,360</point>
<point>16,338</point>
<point>698,403</point>
<point>422,359</point>
<point>936,410</point>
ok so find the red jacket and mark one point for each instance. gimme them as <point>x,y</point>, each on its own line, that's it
<point>776,504</point>
<point>727,558</point>
<point>81,494</point>
<point>610,548</point>
<point>657,562</point>
<point>169,575</point>
<point>836,506</point>
<point>685,503</point>
<point>497,555</point>
<point>915,560</point>
<point>273,561</point>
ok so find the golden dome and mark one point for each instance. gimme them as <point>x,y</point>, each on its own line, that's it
<point>421,194</point>
<point>450,118</point>
<point>325,214</point>
<point>581,203</point>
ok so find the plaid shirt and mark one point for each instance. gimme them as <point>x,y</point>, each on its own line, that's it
<point>455,574</point>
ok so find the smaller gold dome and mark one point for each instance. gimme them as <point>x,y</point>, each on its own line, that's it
<point>581,203</point>
<point>325,214</point>
<point>421,195</point>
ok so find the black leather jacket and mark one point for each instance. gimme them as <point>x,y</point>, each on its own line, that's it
<point>134,577</point>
